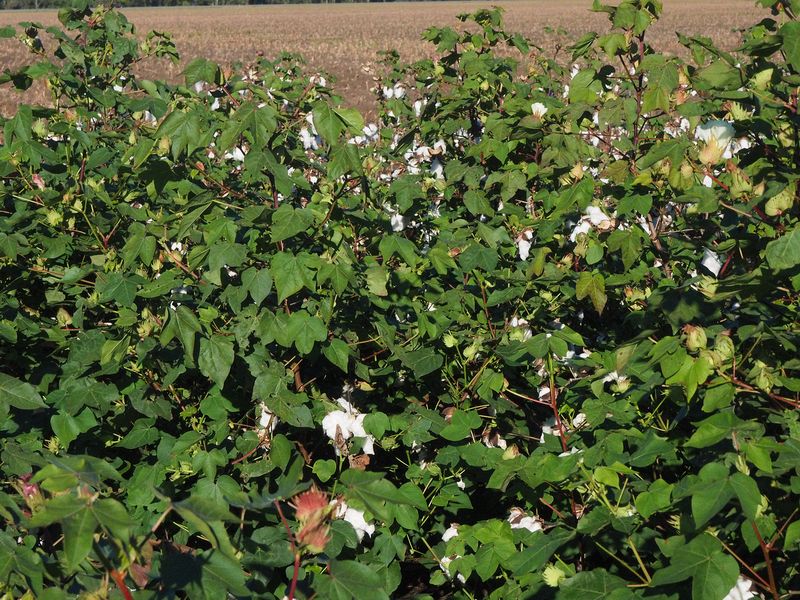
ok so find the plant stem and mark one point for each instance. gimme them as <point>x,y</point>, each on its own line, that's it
<point>765,549</point>
<point>295,551</point>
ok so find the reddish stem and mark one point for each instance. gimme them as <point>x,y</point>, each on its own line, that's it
<point>765,549</point>
<point>290,535</point>
<point>119,580</point>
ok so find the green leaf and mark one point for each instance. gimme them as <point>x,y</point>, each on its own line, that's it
<point>324,469</point>
<point>352,118</point>
<point>288,221</point>
<point>327,123</point>
<point>713,572</point>
<point>184,324</point>
<point>216,358</point>
<point>377,494</point>
<point>423,361</point>
<point>790,33</point>
<point>257,121</point>
<point>377,276</point>
<point>629,243</point>
<point>113,351</point>
<point>351,580</point>
<point>784,253</point>
<point>746,490</point>
<point>714,429</point>
<point>792,536</point>
<point>139,245</point>
<point>290,274</point>
<point>541,548</point>
<point>112,516</point>
<point>461,425</point>
<point>225,254</point>
<point>67,428</point>
<point>709,498</point>
<point>19,394</point>
<point>596,584</point>
<point>655,499</point>
<point>338,352</point>
<point>184,130</point>
<point>222,576</point>
<point>258,283</point>
<point>78,532</point>
<point>593,287</point>
<point>116,287</point>
<point>309,331</point>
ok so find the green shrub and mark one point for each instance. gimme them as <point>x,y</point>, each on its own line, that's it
<point>532,334</point>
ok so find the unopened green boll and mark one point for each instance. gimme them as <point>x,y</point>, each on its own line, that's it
<point>723,346</point>
<point>695,337</point>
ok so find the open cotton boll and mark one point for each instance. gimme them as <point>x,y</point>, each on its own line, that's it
<point>349,423</point>
<point>596,216</point>
<point>444,564</point>
<point>237,154</point>
<point>437,168</point>
<point>741,591</point>
<point>450,532</point>
<point>523,328</point>
<point>538,110</point>
<point>519,519</point>
<point>711,261</point>
<point>309,140</point>
<point>716,130</point>
<point>524,244</point>
<point>583,227</point>
<point>398,222</point>
<point>371,132</point>
<point>354,517</point>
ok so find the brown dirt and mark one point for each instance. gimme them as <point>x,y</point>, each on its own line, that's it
<point>344,39</point>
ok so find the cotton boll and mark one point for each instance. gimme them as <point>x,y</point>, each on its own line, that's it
<point>237,155</point>
<point>717,130</point>
<point>711,261</point>
<point>371,132</point>
<point>450,533</point>
<point>437,168</point>
<point>538,110</point>
<point>354,517</point>
<point>524,247</point>
<point>398,222</point>
<point>523,328</point>
<point>309,140</point>
<point>444,564</point>
<point>596,216</point>
<point>524,244</point>
<point>741,591</point>
<point>519,519</point>
<point>349,423</point>
<point>583,227</point>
